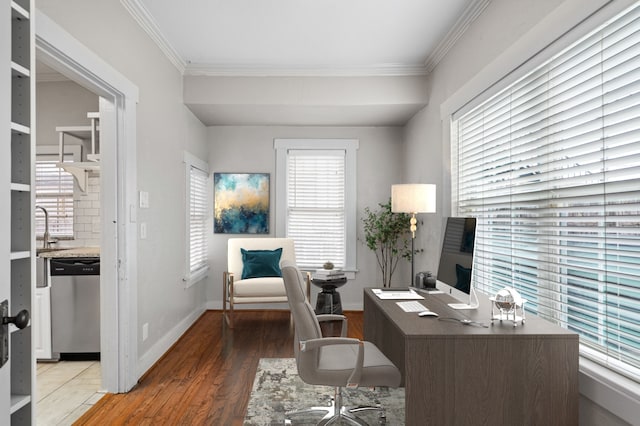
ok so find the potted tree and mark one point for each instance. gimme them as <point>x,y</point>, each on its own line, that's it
<point>388,235</point>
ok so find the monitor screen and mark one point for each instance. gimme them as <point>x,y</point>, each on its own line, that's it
<point>456,257</point>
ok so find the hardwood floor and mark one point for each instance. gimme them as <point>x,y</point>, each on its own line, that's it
<point>206,377</point>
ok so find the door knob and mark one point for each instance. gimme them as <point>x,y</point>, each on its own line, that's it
<point>21,320</point>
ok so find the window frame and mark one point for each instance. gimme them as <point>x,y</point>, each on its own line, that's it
<point>192,162</point>
<point>350,147</point>
<point>53,151</point>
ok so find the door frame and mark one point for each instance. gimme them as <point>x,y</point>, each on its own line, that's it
<point>118,101</point>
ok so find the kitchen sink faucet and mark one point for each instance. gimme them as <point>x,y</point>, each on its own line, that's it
<point>46,240</point>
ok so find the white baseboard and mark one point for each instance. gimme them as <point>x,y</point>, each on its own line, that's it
<point>149,358</point>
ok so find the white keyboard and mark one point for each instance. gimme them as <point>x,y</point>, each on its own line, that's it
<point>412,306</point>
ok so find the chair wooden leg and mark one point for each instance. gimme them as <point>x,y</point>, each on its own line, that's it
<point>227,296</point>
<point>229,315</point>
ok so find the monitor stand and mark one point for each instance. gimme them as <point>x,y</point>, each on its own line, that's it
<point>473,302</point>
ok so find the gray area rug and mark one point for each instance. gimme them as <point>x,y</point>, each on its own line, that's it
<point>278,389</point>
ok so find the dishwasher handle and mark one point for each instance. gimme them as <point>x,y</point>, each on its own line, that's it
<point>75,266</point>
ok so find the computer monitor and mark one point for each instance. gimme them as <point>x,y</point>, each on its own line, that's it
<point>456,261</point>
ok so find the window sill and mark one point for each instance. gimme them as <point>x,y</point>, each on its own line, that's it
<point>196,277</point>
<point>610,390</point>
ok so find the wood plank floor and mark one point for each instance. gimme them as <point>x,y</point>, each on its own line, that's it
<point>206,377</point>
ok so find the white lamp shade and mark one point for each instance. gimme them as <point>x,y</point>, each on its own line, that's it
<point>413,198</point>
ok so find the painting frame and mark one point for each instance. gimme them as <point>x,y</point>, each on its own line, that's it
<point>241,203</point>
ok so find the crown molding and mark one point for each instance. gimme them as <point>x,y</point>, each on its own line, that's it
<point>142,16</point>
<point>382,70</point>
<point>459,28</point>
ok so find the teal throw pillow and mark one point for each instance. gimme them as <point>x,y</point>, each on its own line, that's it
<point>261,263</point>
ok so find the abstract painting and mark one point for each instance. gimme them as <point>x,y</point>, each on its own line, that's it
<point>241,203</point>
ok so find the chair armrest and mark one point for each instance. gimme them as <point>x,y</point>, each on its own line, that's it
<point>354,378</point>
<point>335,317</point>
<point>331,317</point>
<point>311,344</point>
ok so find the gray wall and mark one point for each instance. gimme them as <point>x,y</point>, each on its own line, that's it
<point>65,103</point>
<point>165,128</point>
<point>61,103</point>
<point>250,149</point>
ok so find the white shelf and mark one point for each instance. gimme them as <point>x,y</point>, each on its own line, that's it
<point>20,187</point>
<point>19,401</point>
<point>80,170</point>
<point>79,165</point>
<point>80,132</point>
<point>18,11</point>
<point>19,128</point>
<point>15,255</point>
<point>18,70</point>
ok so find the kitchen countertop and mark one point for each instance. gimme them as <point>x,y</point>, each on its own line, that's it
<point>71,252</point>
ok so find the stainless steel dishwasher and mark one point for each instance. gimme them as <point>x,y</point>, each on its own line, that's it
<point>75,308</point>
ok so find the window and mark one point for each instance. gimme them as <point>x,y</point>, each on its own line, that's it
<point>550,167</point>
<point>316,192</point>
<point>54,192</point>
<point>197,213</point>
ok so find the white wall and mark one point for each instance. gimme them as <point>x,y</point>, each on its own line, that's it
<point>165,128</point>
<point>498,42</point>
<point>250,149</point>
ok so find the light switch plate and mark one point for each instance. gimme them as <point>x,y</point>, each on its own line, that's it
<point>143,230</point>
<point>144,200</point>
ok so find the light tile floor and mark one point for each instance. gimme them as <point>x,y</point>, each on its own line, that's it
<point>65,390</point>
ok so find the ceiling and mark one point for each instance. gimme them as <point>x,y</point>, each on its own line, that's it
<point>303,38</point>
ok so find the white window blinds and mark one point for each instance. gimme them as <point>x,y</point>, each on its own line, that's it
<point>198,203</point>
<point>316,206</point>
<point>54,192</point>
<point>551,169</point>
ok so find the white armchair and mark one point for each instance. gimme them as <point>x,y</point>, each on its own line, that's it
<point>254,288</point>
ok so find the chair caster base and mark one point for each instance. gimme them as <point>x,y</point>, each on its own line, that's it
<point>333,415</point>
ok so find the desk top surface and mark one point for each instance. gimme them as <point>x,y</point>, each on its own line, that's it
<point>448,325</point>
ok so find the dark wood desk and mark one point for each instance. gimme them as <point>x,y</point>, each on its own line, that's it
<point>457,374</point>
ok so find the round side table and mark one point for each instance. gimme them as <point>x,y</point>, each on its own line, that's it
<point>329,299</point>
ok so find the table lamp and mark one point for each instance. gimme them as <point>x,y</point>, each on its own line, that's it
<point>413,198</point>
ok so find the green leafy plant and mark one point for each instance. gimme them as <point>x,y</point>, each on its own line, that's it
<point>388,235</point>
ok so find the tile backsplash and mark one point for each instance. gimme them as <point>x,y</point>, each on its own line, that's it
<point>86,221</point>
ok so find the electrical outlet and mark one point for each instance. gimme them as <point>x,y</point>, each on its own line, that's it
<point>145,331</point>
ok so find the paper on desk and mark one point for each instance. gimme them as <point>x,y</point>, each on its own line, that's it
<point>396,294</point>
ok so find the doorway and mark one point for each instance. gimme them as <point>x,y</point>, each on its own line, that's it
<point>118,244</point>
